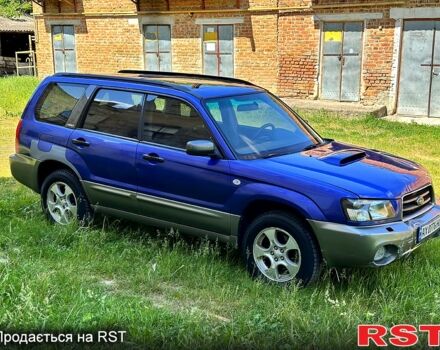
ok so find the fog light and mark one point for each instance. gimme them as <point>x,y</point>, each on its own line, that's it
<point>380,254</point>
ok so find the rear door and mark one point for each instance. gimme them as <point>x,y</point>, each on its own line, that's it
<point>105,147</point>
<point>174,186</point>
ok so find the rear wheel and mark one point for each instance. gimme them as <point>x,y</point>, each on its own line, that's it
<point>63,199</point>
<point>280,248</point>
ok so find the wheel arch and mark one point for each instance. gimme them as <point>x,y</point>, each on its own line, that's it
<point>260,206</point>
<point>47,167</point>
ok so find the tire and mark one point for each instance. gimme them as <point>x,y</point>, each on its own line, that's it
<point>64,200</point>
<point>280,248</point>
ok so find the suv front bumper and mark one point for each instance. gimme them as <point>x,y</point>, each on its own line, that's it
<point>345,246</point>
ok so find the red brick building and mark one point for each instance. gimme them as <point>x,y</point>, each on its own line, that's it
<point>376,52</point>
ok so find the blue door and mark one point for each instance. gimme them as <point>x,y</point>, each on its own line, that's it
<point>105,148</point>
<point>174,186</point>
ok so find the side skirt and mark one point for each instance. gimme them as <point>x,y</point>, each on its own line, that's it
<point>232,240</point>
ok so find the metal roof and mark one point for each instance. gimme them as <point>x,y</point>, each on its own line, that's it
<point>23,24</point>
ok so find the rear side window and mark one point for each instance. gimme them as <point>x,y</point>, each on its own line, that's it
<point>115,112</point>
<point>58,101</point>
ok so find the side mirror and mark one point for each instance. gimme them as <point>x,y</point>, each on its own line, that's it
<point>200,148</point>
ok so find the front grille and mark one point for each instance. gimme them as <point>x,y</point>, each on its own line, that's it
<point>416,201</point>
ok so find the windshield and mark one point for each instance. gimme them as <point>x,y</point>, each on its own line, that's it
<point>259,126</point>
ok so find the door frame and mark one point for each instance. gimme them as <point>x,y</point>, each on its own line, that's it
<point>233,44</point>
<point>321,57</point>
<point>402,32</point>
<point>52,25</point>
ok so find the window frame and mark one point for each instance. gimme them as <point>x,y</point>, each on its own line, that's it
<point>91,99</point>
<point>162,95</point>
<point>158,51</point>
<point>75,110</point>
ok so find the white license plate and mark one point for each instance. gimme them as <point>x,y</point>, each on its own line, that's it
<point>429,229</point>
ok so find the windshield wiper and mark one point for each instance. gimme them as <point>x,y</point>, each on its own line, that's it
<point>270,155</point>
<point>315,145</point>
<point>312,146</point>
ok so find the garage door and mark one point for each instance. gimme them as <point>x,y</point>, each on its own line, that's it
<point>419,89</point>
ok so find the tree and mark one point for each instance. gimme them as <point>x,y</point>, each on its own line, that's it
<point>15,8</point>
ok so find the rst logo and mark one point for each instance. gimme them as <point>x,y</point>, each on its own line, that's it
<point>402,335</point>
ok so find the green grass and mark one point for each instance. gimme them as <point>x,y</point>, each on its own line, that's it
<point>14,94</point>
<point>170,292</point>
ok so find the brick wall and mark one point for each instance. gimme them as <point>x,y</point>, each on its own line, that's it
<point>377,61</point>
<point>106,44</point>
<point>279,50</point>
<point>7,65</point>
<point>298,55</point>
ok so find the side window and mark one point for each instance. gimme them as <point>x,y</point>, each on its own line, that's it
<point>172,122</point>
<point>115,112</point>
<point>58,101</point>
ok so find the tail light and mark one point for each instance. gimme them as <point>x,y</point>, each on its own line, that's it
<point>17,136</point>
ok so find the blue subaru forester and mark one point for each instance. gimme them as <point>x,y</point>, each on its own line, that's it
<point>221,158</point>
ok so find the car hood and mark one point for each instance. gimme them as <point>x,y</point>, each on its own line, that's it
<point>364,172</point>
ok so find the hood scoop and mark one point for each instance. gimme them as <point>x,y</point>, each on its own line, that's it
<point>344,157</point>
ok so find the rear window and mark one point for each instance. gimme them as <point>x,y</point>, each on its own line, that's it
<point>58,102</point>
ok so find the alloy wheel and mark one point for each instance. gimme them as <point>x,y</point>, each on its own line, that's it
<point>276,254</point>
<point>62,203</point>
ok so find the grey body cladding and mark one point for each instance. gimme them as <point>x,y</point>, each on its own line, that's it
<point>131,205</point>
<point>153,210</point>
<point>25,167</point>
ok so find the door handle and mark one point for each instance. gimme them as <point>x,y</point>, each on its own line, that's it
<point>80,142</point>
<point>153,157</point>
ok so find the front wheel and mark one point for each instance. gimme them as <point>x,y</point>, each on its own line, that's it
<point>63,199</point>
<point>280,248</point>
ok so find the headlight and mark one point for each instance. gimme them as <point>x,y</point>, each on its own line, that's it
<point>362,210</point>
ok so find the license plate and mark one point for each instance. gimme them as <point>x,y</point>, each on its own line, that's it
<point>429,229</point>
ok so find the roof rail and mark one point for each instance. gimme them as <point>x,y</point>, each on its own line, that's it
<point>185,75</point>
<point>128,79</point>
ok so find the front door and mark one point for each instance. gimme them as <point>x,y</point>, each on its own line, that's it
<point>157,47</point>
<point>218,50</point>
<point>419,88</point>
<point>341,61</point>
<point>64,55</point>
<point>174,186</point>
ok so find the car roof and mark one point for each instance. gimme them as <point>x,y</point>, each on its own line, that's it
<point>200,86</point>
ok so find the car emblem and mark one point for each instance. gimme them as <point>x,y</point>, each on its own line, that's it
<point>420,201</point>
